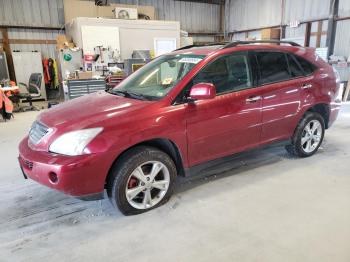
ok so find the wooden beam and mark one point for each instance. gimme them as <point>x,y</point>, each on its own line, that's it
<point>213,2</point>
<point>322,33</point>
<point>7,49</point>
<point>274,26</point>
<point>342,18</point>
<point>44,27</point>
<point>319,33</point>
<point>33,41</point>
<point>254,29</point>
<point>205,34</point>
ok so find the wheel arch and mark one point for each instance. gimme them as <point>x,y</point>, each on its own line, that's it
<point>323,109</point>
<point>163,144</point>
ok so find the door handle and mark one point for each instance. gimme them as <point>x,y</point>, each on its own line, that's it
<point>306,86</point>
<point>253,99</point>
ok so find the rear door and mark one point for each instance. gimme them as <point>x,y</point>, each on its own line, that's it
<point>280,79</point>
<point>231,121</point>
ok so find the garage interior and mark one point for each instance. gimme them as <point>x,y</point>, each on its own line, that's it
<point>259,205</point>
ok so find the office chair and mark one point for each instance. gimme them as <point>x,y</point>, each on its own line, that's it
<point>33,91</point>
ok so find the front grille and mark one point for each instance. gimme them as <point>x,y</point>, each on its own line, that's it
<point>37,132</point>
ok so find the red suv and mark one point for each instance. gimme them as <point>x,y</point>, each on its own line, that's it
<point>178,112</point>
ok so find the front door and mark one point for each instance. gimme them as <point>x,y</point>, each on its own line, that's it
<point>229,123</point>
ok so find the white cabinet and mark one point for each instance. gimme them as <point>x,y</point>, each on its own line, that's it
<point>131,34</point>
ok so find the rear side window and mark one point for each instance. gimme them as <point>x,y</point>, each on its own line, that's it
<point>308,67</point>
<point>295,69</point>
<point>273,67</point>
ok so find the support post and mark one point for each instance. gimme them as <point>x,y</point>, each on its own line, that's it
<point>222,22</point>
<point>7,49</point>
<point>332,26</point>
<point>307,34</point>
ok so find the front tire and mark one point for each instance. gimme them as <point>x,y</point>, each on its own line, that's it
<point>308,135</point>
<point>142,179</point>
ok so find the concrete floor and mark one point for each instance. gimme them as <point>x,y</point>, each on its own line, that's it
<point>267,207</point>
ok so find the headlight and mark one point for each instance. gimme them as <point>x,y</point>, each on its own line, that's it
<point>73,143</point>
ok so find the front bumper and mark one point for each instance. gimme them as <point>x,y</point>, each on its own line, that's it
<point>79,176</point>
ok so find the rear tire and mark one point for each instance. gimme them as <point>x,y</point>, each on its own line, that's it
<point>308,135</point>
<point>142,179</point>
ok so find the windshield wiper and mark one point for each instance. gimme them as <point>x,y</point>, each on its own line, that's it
<point>129,94</point>
<point>138,96</point>
<point>119,93</point>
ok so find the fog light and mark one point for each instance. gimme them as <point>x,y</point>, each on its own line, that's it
<point>53,177</point>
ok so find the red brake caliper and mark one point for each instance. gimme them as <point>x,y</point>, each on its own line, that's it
<point>132,182</point>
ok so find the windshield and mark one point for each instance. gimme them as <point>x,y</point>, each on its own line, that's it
<point>154,80</point>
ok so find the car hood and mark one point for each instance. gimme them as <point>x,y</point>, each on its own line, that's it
<point>88,110</point>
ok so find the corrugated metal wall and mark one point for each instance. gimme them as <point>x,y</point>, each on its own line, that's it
<point>46,50</point>
<point>342,40</point>
<point>344,8</point>
<point>303,10</point>
<point>32,12</point>
<point>250,14</point>
<point>194,17</point>
<point>296,31</point>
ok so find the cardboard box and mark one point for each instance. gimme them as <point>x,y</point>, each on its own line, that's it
<point>73,8</point>
<point>78,8</point>
<point>142,10</point>
<point>125,13</point>
<point>270,34</point>
<point>63,42</point>
<point>185,41</point>
<point>85,75</point>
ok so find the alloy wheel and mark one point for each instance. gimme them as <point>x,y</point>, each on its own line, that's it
<point>147,185</point>
<point>311,136</point>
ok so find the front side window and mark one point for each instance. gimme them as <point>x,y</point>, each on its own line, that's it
<point>273,67</point>
<point>228,73</point>
<point>154,80</point>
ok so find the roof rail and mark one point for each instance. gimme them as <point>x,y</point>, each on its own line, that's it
<point>236,43</point>
<point>209,44</point>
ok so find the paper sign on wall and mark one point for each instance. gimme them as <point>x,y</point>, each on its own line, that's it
<point>164,45</point>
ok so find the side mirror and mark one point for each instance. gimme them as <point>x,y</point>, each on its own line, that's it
<point>202,91</point>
